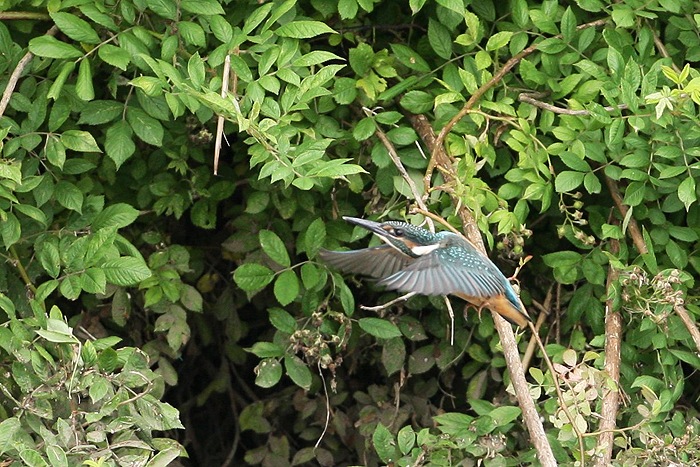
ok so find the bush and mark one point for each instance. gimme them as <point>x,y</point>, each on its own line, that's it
<point>564,133</point>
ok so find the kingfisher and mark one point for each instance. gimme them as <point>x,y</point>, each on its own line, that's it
<point>413,259</point>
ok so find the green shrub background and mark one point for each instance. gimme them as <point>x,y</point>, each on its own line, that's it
<point>156,301</point>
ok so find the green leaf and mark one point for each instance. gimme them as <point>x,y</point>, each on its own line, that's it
<point>126,271</point>
<point>286,287</point>
<point>74,27</point>
<point>592,183</point>
<point>297,371</point>
<point>310,275</point>
<point>202,7</point>
<point>364,129</point>
<point>252,277</point>
<point>574,162</point>
<point>115,56</point>
<point>221,28</point>
<point>393,355</point>
<point>56,454</point>
<point>421,360</point>
<point>315,57</point>
<point>55,152</point>
<point>78,140</point>
<point>499,40</point>
<point>49,256</point>
<point>50,47</point>
<point>282,320</point>
<point>406,439</point>
<point>634,193</point>
<point>417,102</point>
<point>32,458</point>
<point>335,168</point>
<point>58,331</point>
<point>69,196</point>
<point>439,39</point>
<point>268,372</point>
<point>273,246</point>
<point>561,258</point>
<point>304,29</point>
<point>165,8</point>
<point>379,328</point>
<point>314,237</point>
<point>567,181</point>
<point>83,86</point>
<point>8,429</point>
<point>11,171</point>
<point>361,58</point>
<point>191,298</point>
<point>347,9</point>
<point>93,280</point>
<point>33,213</point>
<point>117,215</point>
<point>303,183</point>
<point>57,86</point>
<point>192,33</point>
<point>99,112</point>
<point>416,5</point>
<point>504,415</point>
<point>147,128</point>
<point>409,58</point>
<point>119,145</point>
<point>264,349</point>
<point>347,300</point>
<point>686,192</point>
<point>384,444</point>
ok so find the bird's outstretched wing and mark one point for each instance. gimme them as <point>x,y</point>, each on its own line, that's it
<point>450,270</point>
<point>378,261</point>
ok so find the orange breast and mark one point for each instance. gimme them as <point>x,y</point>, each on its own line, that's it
<point>500,305</point>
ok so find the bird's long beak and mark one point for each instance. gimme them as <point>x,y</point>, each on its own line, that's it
<point>374,227</point>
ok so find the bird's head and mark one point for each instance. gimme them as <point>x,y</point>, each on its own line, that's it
<point>407,238</point>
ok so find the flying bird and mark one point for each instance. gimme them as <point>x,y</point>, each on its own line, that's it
<point>414,259</point>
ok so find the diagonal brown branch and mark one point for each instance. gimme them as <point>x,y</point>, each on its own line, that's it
<point>505,331</point>
<point>633,227</point>
<point>509,65</point>
<point>17,72</point>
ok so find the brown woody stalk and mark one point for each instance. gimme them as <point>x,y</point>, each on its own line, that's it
<point>613,339</point>
<point>505,331</point>
<point>638,240</point>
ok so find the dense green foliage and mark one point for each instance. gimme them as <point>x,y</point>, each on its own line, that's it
<point>141,280</point>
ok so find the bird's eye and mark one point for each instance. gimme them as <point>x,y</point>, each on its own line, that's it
<point>398,232</point>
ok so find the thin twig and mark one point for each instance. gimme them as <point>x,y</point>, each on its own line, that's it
<point>509,65</point>
<point>328,407</point>
<point>613,339</point>
<point>386,305</point>
<point>425,131</point>
<point>632,227</point>
<point>17,72</point>
<point>397,162</point>
<point>689,324</point>
<point>531,98</point>
<point>544,312</point>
